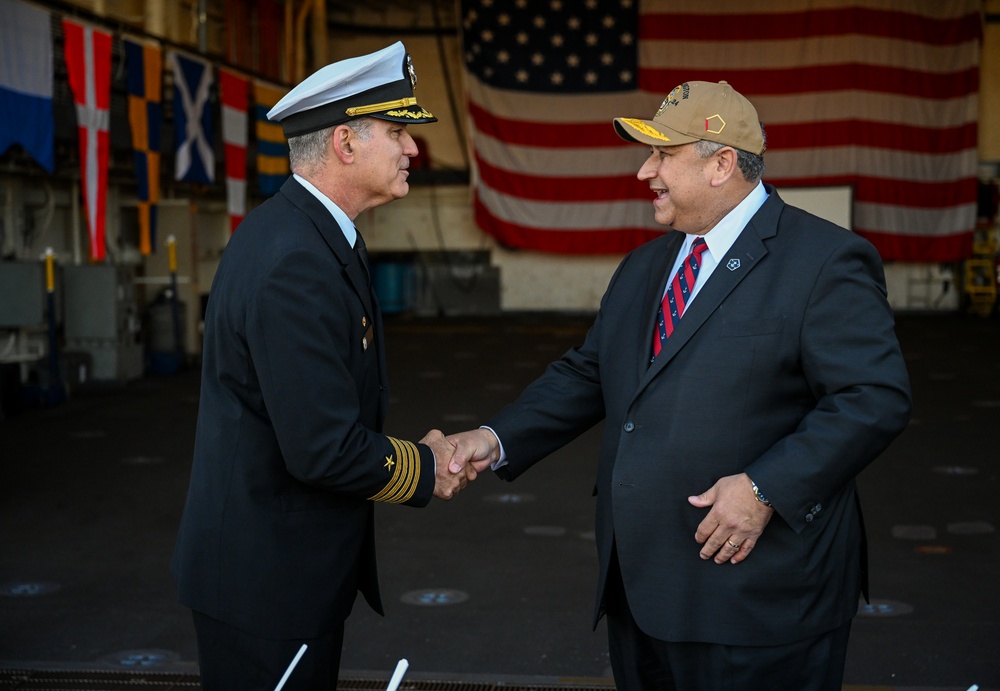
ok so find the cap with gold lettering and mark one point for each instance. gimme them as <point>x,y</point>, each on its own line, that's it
<point>698,110</point>
<point>378,85</point>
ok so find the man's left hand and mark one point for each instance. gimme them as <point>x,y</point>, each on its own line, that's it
<point>735,521</point>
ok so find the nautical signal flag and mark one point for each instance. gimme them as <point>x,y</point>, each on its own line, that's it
<point>144,61</point>
<point>88,65</point>
<point>26,116</point>
<point>234,90</point>
<point>272,148</point>
<point>195,159</point>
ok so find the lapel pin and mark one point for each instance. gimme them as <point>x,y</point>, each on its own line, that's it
<point>733,264</point>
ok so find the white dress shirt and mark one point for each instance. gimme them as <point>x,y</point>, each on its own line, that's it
<point>346,224</point>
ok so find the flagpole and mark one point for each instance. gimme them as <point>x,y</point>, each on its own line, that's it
<point>54,391</point>
<point>175,308</point>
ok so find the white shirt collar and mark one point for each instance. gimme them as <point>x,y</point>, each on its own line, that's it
<point>346,225</point>
<point>720,238</point>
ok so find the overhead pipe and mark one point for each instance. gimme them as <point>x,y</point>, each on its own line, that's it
<point>300,39</point>
<point>319,34</point>
<point>289,66</point>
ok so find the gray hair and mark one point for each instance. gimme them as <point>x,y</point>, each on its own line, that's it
<point>307,152</point>
<point>751,165</point>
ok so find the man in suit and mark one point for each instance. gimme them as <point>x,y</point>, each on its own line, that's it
<point>747,370</point>
<point>277,534</point>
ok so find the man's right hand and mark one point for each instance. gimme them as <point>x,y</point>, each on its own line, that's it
<point>447,483</point>
<point>477,448</point>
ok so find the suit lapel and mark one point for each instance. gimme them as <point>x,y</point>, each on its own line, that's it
<point>333,235</point>
<point>652,297</point>
<point>736,265</point>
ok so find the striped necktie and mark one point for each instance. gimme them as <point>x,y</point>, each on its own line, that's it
<point>677,296</point>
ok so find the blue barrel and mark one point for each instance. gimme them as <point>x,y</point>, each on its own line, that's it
<point>394,283</point>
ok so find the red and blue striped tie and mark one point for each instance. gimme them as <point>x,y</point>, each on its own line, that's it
<point>677,296</point>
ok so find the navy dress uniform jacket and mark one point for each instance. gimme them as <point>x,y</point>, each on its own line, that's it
<point>786,367</point>
<point>277,533</point>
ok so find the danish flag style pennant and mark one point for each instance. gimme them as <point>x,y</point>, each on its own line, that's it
<point>88,65</point>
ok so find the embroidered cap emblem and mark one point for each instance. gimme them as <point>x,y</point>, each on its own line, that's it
<point>676,95</point>
<point>715,121</point>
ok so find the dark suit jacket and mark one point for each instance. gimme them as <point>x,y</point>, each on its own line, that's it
<point>786,367</point>
<point>277,532</point>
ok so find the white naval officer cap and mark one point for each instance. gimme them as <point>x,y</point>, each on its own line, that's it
<point>378,85</point>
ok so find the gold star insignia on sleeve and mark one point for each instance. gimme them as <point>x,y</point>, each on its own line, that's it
<point>405,470</point>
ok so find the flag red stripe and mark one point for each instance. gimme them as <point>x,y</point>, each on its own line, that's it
<point>561,188</point>
<point>617,240</point>
<point>925,195</point>
<point>236,161</point>
<point>762,81</point>
<point>914,248</point>
<point>881,135</point>
<point>762,26</point>
<point>234,90</point>
<point>562,135</point>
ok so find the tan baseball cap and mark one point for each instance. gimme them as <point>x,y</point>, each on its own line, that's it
<point>698,110</point>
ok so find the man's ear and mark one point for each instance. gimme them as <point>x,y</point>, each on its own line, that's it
<point>724,165</point>
<point>342,141</point>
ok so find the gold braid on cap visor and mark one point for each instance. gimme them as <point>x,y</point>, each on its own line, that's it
<point>379,107</point>
<point>645,129</point>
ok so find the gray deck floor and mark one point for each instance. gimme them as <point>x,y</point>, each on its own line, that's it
<point>496,585</point>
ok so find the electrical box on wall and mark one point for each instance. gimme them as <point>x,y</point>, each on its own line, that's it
<point>22,286</point>
<point>102,320</point>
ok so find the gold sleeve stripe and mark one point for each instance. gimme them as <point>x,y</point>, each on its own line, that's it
<point>406,473</point>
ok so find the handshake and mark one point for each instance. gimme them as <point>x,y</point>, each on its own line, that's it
<point>460,458</point>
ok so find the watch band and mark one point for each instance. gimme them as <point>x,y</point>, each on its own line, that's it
<point>758,495</point>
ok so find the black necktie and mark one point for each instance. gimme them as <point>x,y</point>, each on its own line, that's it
<point>359,247</point>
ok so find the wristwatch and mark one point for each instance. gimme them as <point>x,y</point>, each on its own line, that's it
<point>758,495</point>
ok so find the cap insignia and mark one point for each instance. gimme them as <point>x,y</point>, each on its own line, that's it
<point>379,107</point>
<point>409,114</point>
<point>411,72</point>
<point>645,129</point>
<point>674,98</point>
<point>719,122</point>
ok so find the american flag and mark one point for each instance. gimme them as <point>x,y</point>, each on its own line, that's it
<point>881,95</point>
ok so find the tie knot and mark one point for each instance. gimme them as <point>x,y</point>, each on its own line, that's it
<point>699,246</point>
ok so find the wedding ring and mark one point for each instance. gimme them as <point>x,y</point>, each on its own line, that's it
<point>732,544</point>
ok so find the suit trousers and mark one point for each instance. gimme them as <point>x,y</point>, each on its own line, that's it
<point>643,663</point>
<point>233,660</point>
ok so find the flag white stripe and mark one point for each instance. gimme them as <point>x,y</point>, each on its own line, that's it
<point>571,216</point>
<point>234,126</point>
<point>867,161</point>
<point>909,221</point>
<point>236,196</point>
<point>878,107</point>
<point>549,108</point>
<point>533,160</point>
